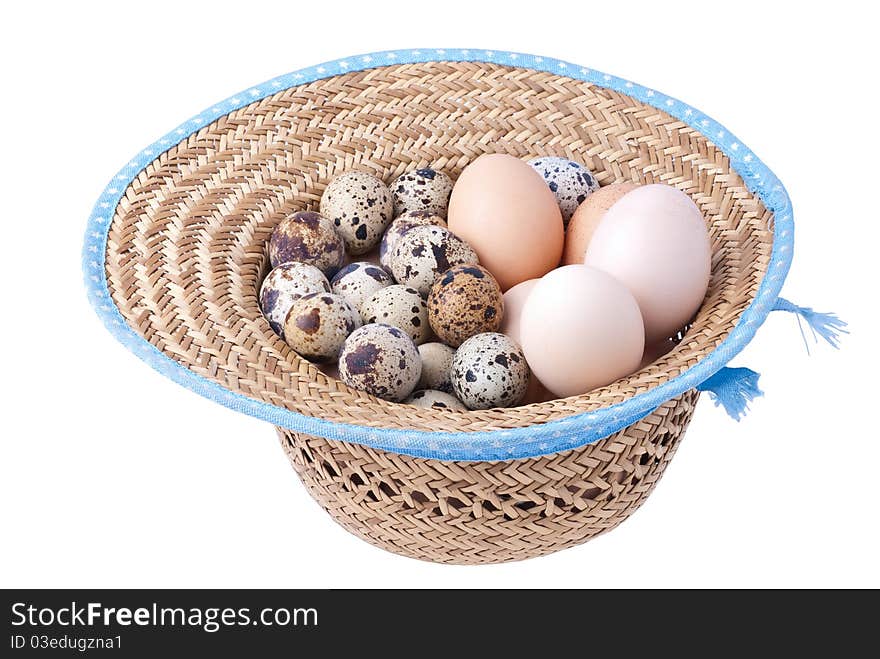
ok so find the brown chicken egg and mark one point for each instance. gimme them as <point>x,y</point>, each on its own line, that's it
<point>503,209</point>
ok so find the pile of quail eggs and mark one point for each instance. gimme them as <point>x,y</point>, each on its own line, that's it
<point>394,327</point>
<point>376,284</point>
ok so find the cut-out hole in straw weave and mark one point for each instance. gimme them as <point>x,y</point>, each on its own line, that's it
<point>186,248</point>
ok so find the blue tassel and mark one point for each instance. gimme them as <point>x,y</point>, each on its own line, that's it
<point>826,325</point>
<point>734,388</point>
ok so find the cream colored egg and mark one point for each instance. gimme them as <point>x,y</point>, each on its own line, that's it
<point>654,241</point>
<point>503,209</point>
<point>581,329</point>
<point>514,301</point>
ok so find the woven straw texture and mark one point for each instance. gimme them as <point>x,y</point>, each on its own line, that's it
<point>186,247</point>
<point>489,512</point>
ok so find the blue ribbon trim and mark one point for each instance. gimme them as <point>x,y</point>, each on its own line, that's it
<point>825,325</point>
<point>734,389</point>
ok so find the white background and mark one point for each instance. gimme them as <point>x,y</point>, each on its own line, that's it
<point>112,476</point>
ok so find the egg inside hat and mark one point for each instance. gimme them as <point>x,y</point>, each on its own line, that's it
<point>581,329</point>
<point>505,211</point>
<point>654,240</point>
<point>568,180</point>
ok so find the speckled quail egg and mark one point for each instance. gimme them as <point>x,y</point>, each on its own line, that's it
<point>360,207</point>
<point>318,324</point>
<point>464,301</point>
<point>283,285</point>
<point>489,370</point>
<point>423,253</point>
<point>570,181</point>
<point>436,400</point>
<point>357,281</point>
<point>421,190</point>
<point>381,360</point>
<point>399,306</point>
<point>436,366</point>
<point>307,237</point>
<point>401,225</point>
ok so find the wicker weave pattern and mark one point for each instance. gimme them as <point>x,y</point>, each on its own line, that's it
<point>489,512</point>
<point>186,246</point>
